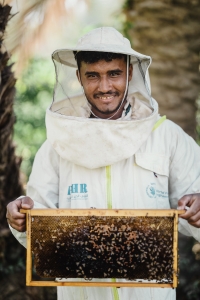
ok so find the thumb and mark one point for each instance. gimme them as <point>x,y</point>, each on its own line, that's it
<point>27,203</point>
<point>185,200</point>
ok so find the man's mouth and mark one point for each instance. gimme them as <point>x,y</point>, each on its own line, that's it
<point>105,97</point>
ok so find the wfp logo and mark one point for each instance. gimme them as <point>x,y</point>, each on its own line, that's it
<point>151,192</point>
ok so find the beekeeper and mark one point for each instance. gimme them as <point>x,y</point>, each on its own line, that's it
<point>108,147</point>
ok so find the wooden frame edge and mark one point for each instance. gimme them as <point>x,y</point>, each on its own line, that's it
<point>104,212</point>
<point>175,251</point>
<point>100,284</point>
<point>28,250</point>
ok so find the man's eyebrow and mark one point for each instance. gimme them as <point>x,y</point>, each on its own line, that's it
<point>110,71</point>
<point>91,73</point>
<point>116,70</point>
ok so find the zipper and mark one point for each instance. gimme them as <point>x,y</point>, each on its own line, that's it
<point>109,206</point>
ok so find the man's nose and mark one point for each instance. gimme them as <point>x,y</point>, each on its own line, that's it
<point>104,85</point>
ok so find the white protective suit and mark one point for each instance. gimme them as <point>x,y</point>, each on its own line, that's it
<point>138,161</point>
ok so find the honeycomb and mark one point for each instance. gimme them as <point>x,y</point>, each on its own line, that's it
<point>89,247</point>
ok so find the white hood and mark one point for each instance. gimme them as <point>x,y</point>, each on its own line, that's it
<point>94,143</point>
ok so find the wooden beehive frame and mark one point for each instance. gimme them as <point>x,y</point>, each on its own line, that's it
<point>101,213</point>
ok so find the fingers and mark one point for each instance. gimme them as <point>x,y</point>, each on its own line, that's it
<point>27,203</point>
<point>13,210</point>
<point>192,214</point>
<point>19,225</point>
<point>184,201</point>
<point>16,219</point>
<point>195,220</point>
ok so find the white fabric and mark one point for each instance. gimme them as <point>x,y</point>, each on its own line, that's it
<point>102,142</point>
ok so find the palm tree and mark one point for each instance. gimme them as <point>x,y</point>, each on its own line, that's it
<point>10,186</point>
<point>169,31</point>
<point>34,24</point>
<point>12,254</point>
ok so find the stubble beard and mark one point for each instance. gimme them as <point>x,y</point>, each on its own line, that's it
<point>108,111</point>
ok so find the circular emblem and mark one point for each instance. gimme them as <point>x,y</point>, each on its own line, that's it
<point>151,192</point>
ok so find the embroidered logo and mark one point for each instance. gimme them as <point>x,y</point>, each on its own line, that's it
<point>151,191</point>
<point>154,192</point>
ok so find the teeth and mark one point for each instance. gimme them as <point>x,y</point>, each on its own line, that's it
<point>105,98</point>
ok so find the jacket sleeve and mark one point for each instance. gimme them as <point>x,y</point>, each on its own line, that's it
<point>184,176</point>
<point>43,183</point>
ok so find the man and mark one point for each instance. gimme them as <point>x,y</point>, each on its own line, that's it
<point>106,148</point>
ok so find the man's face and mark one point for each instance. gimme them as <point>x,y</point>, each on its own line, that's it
<point>104,84</point>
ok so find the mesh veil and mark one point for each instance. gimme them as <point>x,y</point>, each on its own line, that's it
<point>68,96</point>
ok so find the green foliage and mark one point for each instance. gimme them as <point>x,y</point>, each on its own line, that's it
<point>127,25</point>
<point>128,4</point>
<point>33,96</point>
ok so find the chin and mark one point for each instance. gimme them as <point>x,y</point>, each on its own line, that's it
<point>108,111</point>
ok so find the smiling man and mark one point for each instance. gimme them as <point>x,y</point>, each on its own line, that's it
<point>104,82</point>
<point>107,147</point>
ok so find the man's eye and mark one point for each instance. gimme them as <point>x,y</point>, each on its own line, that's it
<point>114,74</point>
<point>91,76</point>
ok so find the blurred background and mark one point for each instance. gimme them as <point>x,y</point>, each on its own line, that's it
<point>167,30</point>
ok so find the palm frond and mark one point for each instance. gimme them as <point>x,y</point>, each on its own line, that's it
<point>35,23</point>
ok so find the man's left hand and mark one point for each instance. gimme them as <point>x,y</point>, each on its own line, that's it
<point>192,214</point>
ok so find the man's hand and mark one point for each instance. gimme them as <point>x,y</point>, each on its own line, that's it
<point>192,215</point>
<point>16,219</point>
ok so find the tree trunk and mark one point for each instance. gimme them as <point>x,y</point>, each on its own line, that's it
<point>12,254</point>
<point>10,187</point>
<point>169,31</point>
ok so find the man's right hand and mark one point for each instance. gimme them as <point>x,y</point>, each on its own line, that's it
<point>16,219</point>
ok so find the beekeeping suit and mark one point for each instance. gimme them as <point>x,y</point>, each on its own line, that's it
<point>137,161</point>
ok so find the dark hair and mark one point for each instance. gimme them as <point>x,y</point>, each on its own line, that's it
<point>90,57</point>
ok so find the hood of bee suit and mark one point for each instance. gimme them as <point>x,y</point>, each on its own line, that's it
<point>91,142</point>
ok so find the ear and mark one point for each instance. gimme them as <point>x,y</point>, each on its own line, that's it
<point>78,76</point>
<point>130,72</point>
